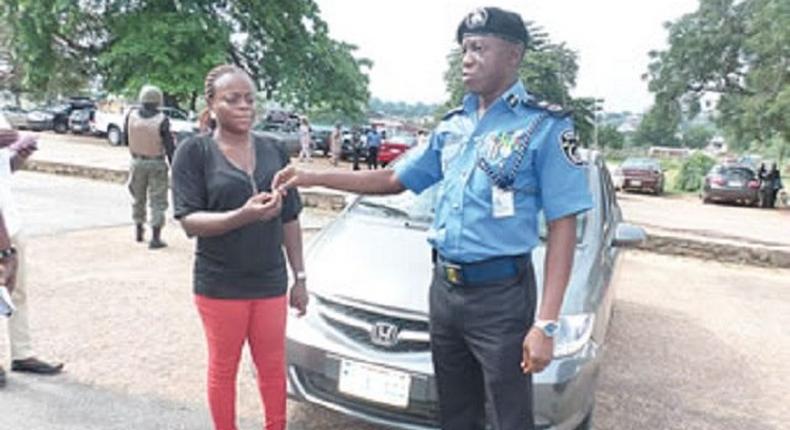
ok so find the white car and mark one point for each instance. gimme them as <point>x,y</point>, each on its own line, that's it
<point>113,125</point>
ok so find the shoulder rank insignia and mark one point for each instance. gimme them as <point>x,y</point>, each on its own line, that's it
<point>453,112</point>
<point>554,110</point>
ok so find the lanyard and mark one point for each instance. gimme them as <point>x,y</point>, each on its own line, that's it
<point>505,180</point>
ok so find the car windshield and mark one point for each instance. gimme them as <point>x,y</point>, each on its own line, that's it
<point>639,163</point>
<point>420,209</point>
<point>742,173</point>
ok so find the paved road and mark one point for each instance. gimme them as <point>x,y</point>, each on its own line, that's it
<point>692,346</point>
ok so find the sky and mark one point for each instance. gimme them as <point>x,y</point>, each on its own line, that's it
<point>408,41</point>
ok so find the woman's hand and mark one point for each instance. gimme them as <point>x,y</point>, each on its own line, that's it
<point>263,206</point>
<point>299,298</point>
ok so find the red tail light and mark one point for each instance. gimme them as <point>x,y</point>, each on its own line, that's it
<point>754,184</point>
<point>717,180</point>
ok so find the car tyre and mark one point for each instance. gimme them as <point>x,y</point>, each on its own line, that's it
<point>587,424</point>
<point>114,136</point>
<point>61,127</point>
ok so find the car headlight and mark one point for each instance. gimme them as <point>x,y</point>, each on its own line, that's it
<point>574,332</point>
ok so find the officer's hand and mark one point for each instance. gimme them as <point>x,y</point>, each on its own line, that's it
<point>538,351</point>
<point>290,177</point>
<point>299,298</point>
<point>8,137</point>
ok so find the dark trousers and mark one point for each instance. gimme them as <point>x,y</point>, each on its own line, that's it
<point>476,341</point>
<point>373,157</point>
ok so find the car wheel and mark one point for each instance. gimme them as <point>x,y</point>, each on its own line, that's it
<point>61,127</point>
<point>587,423</point>
<point>114,136</point>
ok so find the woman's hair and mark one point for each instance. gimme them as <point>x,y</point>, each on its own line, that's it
<point>206,123</point>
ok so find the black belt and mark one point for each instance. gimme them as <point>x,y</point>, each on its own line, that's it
<point>487,271</point>
<point>148,157</point>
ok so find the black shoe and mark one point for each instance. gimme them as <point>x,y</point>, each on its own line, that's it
<point>2,377</point>
<point>156,244</point>
<point>139,232</point>
<point>34,365</point>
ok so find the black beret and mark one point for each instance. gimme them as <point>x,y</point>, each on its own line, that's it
<point>493,21</point>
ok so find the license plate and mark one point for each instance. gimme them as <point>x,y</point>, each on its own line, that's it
<point>374,383</point>
<point>735,184</point>
<point>636,183</point>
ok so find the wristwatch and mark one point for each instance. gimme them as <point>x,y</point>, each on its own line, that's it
<point>7,253</point>
<point>548,327</point>
<point>301,275</point>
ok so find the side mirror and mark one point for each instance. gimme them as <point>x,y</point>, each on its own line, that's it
<point>628,236</point>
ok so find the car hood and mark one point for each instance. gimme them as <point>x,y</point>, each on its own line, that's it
<point>385,262</point>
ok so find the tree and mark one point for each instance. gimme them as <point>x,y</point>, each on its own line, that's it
<point>609,137</point>
<point>548,71</point>
<point>284,46</point>
<point>696,137</point>
<point>739,51</point>
<point>658,127</point>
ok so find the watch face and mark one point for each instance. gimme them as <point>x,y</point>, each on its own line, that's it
<point>552,328</point>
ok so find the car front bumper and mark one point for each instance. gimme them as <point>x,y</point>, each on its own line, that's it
<point>564,392</point>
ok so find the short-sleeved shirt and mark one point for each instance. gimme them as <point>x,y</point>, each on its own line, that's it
<point>246,263</point>
<point>549,176</point>
<point>373,139</point>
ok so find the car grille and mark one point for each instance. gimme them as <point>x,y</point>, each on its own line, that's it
<point>419,412</point>
<point>357,323</point>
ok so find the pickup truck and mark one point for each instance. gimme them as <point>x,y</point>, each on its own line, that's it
<point>112,125</point>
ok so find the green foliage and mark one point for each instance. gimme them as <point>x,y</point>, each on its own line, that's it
<point>401,109</point>
<point>738,50</point>
<point>610,138</point>
<point>284,45</point>
<point>696,137</point>
<point>658,127</point>
<point>692,172</point>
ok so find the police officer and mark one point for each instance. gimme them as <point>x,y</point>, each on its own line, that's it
<point>497,160</point>
<point>149,140</point>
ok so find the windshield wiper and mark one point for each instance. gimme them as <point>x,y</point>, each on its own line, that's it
<point>389,210</point>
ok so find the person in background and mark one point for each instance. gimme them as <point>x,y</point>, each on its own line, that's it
<point>304,141</point>
<point>374,143</point>
<point>16,149</point>
<point>150,142</point>
<point>335,144</point>
<point>222,195</point>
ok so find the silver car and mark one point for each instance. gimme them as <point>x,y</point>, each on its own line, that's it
<point>364,349</point>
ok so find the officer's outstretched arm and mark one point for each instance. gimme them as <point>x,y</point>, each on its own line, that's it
<point>383,181</point>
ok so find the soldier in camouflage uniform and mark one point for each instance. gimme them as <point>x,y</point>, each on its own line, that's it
<point>150,141</point>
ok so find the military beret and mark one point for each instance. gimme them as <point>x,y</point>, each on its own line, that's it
<point>493,21</point>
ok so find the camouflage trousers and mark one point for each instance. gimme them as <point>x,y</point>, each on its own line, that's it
<point>148,182</point>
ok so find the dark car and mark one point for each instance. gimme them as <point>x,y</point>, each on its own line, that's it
<point>642,174</point>
<point>339,358</point>
<point>732,184</point>
<point>81,121</point>
<point>56,117</point>
<point>320,135</point>
<point>282,132</point>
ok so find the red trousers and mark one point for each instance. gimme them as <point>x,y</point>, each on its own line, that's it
<point>228,324</point>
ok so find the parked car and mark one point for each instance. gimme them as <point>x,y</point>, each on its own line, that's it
<point>62,112</point>
<point>81,121</point>
<point>641,174</point>
<point>113,125</point>
<point>15,116</point>
<point>731,183</point>
<point>280,131</point>
<point>338,359</point>
<point>40,119</point>
<point>393,147</point>
<point>320,135</point>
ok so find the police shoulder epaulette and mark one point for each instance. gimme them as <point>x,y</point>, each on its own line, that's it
<point>453,112</point>
<point>554,110</point>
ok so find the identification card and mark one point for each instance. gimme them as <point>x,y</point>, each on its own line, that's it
<point>502,201</point>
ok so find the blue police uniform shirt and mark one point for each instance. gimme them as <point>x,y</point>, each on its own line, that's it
<point>550,176</point>
<point>373,139</point>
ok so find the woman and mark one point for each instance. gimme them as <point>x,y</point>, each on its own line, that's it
<point>335,144</point>
<point>304,141</point>
<point>222,194</point>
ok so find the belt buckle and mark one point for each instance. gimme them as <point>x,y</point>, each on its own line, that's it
<point>453,274</point>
